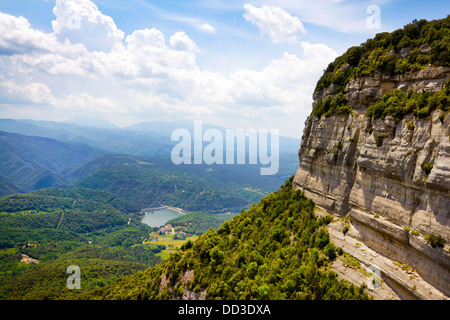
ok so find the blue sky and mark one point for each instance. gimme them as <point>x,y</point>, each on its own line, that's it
<point>249,64</point>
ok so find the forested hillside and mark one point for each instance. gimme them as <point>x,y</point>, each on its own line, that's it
<point>149,182</point>
<point>97,231</point>
<point>30,163</point>
<point>278,249</point>
<point>7,187</point>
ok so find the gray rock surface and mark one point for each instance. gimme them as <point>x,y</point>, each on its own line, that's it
<point>383,188</point>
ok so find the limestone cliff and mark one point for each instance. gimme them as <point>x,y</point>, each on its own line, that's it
<point>390,176</point>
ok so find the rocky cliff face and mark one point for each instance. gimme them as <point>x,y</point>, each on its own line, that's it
<point>375,172</point>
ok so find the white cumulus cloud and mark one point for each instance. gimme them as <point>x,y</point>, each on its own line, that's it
<point>80,21</point>
<point>341,15</point>
<point>32,93</point>
<point>181,41</point>
<point>146,74</point>
<point>275,22</point>
<point>206,27</point>
<point>17,36</point>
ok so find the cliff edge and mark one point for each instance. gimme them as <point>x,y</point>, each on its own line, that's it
<point>376,148</point>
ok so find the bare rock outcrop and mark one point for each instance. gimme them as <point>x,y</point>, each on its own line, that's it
<point>186,276</point>
<point>373,171</point>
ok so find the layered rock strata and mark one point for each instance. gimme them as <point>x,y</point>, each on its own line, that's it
<point>372,171</point>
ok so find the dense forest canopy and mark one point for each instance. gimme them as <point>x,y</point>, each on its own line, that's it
<point>95,230</point>
<point>150,182</point>
<point>278,249</point>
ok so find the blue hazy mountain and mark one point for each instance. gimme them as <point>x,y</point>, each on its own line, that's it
<point>39,154</point>
<point>287,145</point>
<point>93,122</point>
<point>111,140</point>
<point>29,163</point>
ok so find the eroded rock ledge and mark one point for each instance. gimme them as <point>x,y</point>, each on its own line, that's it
<point>391,200</point>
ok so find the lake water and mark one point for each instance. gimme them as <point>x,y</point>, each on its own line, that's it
<point>159,217</point>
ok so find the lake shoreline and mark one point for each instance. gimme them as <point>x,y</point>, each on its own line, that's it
<point>157,217</point>
<point>224,214</point>
<point>179,210</point>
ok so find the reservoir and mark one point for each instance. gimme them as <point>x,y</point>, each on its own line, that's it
<point>158,218</point>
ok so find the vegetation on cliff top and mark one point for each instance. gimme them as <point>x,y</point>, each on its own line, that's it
<point>278,249</point>
<point>397,103</point>
<point>422,42</point>
<point>403,51</point>
<point>331,106</point>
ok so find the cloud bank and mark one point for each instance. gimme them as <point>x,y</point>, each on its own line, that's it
<point>88,65</point>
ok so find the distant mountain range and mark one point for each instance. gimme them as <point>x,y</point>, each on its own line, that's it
<point>133,163</point>
<point>287,145</point>
<point>85,121</point>
<point>148,139</point>
<point>111,140</point>
<point>31,163</point>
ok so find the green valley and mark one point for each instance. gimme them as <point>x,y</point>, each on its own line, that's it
<point>278,249</point>
<point>97,231</point>
<point>150,182</point>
